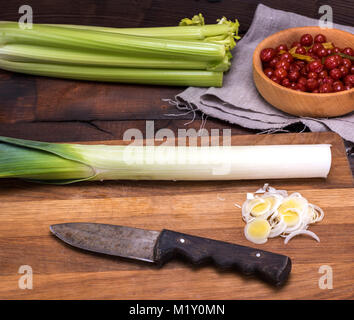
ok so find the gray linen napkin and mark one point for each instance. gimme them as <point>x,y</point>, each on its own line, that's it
<point>239,102</point>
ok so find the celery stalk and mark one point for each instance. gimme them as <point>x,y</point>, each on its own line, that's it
<point>174,33</point>
<point>191,54</point>
<point>39,54</point>
<point>189,29</point>
<point>44,35</point>
<point>201,78</point>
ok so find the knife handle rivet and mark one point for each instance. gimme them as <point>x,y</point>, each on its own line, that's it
<point>182,240</point>
<point>258,254</point>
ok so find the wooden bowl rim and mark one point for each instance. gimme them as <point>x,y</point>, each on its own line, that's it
<point>307,94</point>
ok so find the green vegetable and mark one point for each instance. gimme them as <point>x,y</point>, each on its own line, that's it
<point>53,36</point>
<point>126,75</point>
<point>192,54</point>
<point>40,54</point>
<point>67,163</point>
<point>188,29</point>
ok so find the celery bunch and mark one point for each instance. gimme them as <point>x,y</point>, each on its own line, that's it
<point>191,54</point>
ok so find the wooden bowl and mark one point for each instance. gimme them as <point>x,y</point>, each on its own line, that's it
<point>299,103</point>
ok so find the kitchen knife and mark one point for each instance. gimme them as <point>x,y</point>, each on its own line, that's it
<point>161,246</point>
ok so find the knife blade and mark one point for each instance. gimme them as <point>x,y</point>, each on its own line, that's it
<point>161,246</point>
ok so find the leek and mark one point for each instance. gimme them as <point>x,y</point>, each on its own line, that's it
<point>68,163</point>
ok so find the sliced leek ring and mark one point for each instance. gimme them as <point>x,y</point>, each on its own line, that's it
<point>269,213</point>
<point>257,231</point>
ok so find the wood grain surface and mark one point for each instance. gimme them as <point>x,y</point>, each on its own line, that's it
<point>204,209</point>
<point>150,13</point>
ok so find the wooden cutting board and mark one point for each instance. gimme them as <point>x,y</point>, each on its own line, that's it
<point>200,208</point>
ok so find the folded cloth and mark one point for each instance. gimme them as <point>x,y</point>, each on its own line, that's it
<point>239,102</point>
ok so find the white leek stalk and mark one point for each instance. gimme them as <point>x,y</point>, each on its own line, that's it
<point>67,163</point>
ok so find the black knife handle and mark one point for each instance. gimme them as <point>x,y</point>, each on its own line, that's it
<point>271,267</point>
